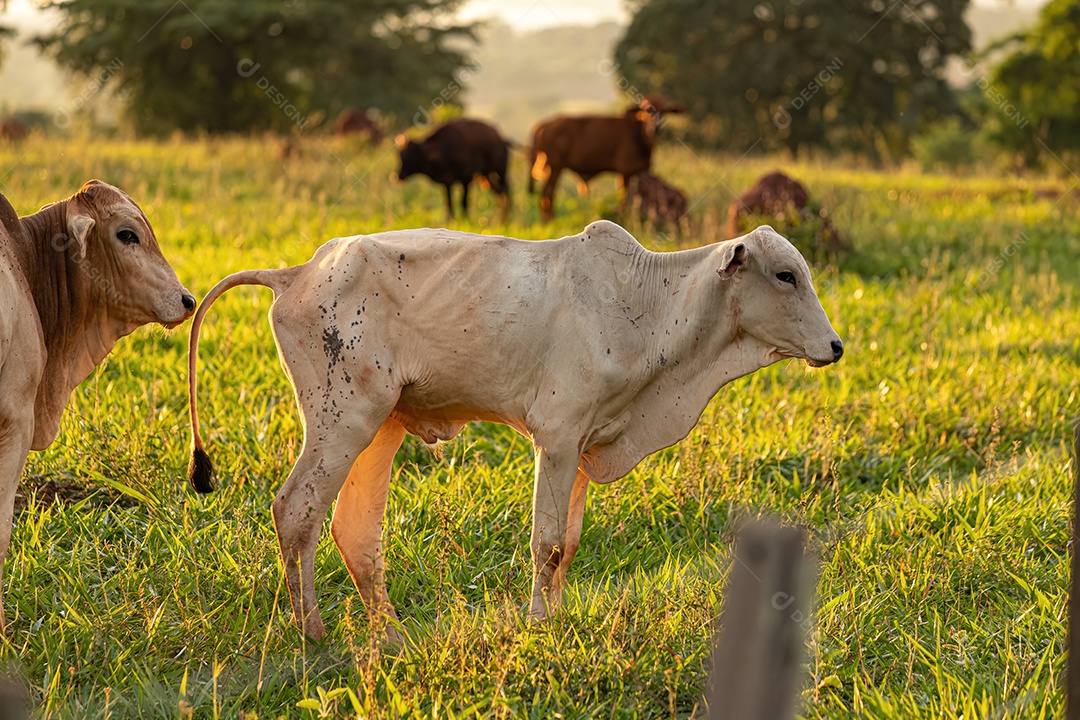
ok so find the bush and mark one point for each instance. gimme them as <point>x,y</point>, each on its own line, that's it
<point>946,144</point>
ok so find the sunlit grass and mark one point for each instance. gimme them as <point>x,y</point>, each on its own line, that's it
<point>929,467</point>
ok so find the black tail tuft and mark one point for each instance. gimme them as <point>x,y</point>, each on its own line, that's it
<point>200,471</point>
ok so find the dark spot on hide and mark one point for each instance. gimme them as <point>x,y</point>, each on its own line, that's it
<point>332,344</point>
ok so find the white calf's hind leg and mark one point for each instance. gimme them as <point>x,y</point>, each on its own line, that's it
<point>332,442</point>
<point>358,517</point>
<point>299,510</point>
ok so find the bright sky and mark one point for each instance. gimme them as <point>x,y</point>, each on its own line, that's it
<point>521,14</point>
<point>20,10</point>
<point>533,14</point>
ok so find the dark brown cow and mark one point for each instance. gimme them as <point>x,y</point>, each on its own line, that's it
<point>592,144</point>
<point>352,121</point>
<point>455,153</point>
<point>656,201</point>
<point>12,130</point>
<point>777,196</point>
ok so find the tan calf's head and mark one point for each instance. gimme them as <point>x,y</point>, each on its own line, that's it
<point>775,302</point>
<point>117,249</point>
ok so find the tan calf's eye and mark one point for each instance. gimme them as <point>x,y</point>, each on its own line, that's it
<point>128,237</point>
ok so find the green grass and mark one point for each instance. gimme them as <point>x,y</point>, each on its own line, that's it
<point>930,468</point>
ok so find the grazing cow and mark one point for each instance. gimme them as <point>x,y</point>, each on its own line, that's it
<point>75,277</point>
<point>592,144</point>
<point>656,201</point>
<point>776,196</point>
<point>455,153</point>
<point>597,349</point>
<point>353,121</point>
<point>12,130</point>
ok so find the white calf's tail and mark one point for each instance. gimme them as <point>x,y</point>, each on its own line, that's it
<point>200,469</point>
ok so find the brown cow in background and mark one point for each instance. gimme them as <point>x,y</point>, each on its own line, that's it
<point>779,198</point>
<point>656,201</point>
<point>456,153</point>
<point>12,130</point>
<point>352,121</point>
<point>592,144</point>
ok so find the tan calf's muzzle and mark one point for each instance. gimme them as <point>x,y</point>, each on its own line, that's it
<point>186,308</point>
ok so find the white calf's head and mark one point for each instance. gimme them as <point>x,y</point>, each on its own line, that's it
<point>774,301</point>
<point>119,253</point>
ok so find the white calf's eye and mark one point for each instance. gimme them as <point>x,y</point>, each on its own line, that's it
<point>126,236</point>
<point>786,277</point>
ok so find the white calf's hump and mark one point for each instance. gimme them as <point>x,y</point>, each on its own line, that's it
<point>610,236</point>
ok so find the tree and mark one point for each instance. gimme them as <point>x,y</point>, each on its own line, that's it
<point>852,74</point>
<point>5,32</point>
<point>239,65</point>
<point>1033,94</point>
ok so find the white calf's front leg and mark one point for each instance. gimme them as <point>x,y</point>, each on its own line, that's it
<point>553,488</point>
<point>358,517</point>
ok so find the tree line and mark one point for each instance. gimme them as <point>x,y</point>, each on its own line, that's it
<point>863,76</point>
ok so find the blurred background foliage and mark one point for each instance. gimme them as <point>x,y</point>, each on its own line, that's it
<point>213,65</point>
<point>860,75</point>
<point>880,80</point>
<point>1040,77</point>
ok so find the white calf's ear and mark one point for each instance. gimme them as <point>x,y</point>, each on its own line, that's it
<point>79,227</point>
<point>732,257</point>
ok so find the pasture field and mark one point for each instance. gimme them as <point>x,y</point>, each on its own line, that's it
<point>930,468</point>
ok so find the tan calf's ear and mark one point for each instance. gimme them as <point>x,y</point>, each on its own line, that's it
<point>79,227</point>
<point>732,257</point>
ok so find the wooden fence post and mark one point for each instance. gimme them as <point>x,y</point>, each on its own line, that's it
<point>14,698</point>
<point>757,658</point>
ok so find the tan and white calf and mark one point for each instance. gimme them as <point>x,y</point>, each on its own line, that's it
<point>75,277</point>
<point>597,349</point>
